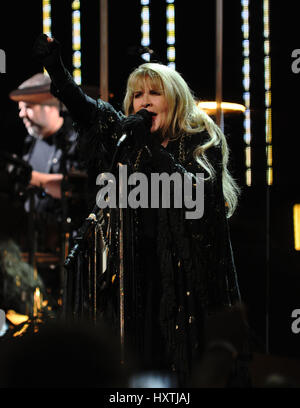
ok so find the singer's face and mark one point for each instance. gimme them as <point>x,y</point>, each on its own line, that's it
<point>146,96</point>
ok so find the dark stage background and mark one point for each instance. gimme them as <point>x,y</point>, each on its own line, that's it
<point>262,227</point>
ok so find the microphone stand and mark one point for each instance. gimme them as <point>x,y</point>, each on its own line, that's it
<point>63,144</point>
<point>121,276</point>
<point>84,232</point>
<point>74,262</point>
<point>92,218</point>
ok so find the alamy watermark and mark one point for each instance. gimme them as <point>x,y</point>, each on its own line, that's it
<point>296,63</point>
<point>295,326</point>
<point>2,321</point>
<point>187,191</point>
<point>2,62</point>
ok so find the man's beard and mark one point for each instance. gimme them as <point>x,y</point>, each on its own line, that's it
<point>34,131</point>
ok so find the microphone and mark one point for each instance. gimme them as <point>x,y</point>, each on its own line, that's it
<point>81,238</point>
<point>146,115</point>
<point>146,118</point>
<point>133,121</point>
<point>143,114</point>
<point>122,139</point>
<point>117,152</point>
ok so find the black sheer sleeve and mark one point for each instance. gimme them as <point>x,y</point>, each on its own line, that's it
<point>81,107</point>
<point>97,123</point>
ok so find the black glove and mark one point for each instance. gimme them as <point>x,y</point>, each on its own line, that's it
<point>47,51</point>
<point>137,127</point>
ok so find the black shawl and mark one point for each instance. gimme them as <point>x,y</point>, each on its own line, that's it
<point>194,269</point>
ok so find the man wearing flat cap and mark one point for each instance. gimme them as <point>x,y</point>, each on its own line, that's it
<point>48,133</point>
<point>50,149</point>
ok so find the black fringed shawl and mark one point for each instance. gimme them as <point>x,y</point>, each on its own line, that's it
<point>194,268</point>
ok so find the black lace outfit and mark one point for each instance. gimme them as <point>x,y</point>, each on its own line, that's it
<point>178,271</point>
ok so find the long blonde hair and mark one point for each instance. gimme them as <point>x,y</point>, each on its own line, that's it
<point>184,117</point>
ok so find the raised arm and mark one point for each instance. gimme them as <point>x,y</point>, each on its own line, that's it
<point>82,108</point>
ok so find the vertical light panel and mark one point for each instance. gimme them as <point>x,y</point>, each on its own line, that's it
<point>145,28</point>
<point>47,21</point>
<point>296,216</point>
<point>268,95</point>
<point>170,20</point>
<point>47,17</point>
<point>246,93</point>
<point>76,41</point>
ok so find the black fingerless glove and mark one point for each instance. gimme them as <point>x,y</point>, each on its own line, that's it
<point>137,127</point>
<point>48,53</point>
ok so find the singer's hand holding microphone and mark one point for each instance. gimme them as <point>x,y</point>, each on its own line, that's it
<point>137,130</point>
